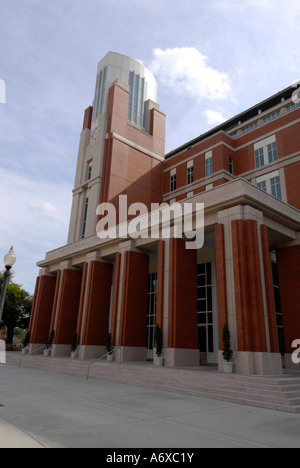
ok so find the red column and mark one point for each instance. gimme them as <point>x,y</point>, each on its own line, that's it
<point>82,301</point>
<point>160,284</point>
<point>67,306</point>
<point>96,318</point>
<point>221,280</point>
<point>133,318</point>
<point>42,309</point>
<point>115,299</point>
<point>269,289</point>
<point>182,296</point>
<point>250,320</point>
<point>33,307</point>
<point>288,264</point>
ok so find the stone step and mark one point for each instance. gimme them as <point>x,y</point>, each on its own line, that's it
<point>281,393</point>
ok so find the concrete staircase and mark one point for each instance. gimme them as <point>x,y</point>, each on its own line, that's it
<point>281,393</point>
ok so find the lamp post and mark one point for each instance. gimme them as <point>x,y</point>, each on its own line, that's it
<point>9,261</point>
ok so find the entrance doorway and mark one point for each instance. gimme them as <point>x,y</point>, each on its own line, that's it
<point>151,314</point>
<point>206,313</point>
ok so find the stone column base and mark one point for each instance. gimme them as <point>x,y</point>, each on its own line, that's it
<point>248,362</point>
<point>60,350</point>
<point>130,354</point>
<point>175,357</point>
<point>36,348</point>
<point>91,352</point>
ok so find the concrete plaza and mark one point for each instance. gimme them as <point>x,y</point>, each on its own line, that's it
<point>41,409</point>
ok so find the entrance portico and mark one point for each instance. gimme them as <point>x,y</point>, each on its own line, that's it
<point>229,281</point>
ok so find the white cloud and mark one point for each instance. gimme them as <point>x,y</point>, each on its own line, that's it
<point>186,72</point>
<point>35,218</point>
<point>45,209</point>
<point>214,117</point>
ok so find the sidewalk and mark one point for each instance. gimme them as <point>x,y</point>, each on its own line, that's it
<point>12,437</point>
<point>42,409</point>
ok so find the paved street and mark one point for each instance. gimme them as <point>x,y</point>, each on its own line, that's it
<point>44,410</point>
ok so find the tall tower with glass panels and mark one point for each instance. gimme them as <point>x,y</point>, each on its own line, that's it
<point>142,88</point>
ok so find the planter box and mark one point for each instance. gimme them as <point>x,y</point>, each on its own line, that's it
<point>227,367</point>
<point>158,361</point>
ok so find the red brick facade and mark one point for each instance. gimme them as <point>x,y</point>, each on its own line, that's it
<point>246,172</point>
<point>289,278</point>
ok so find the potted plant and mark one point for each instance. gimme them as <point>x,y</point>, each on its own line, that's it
<point>74,346</point>
<point>48,344</point>
<point>109,348</point>
<point>158,359</point>
<point>25,343</point>
<point>227,351</point>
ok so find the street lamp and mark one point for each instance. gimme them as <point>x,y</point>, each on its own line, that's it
<point>9,261</point>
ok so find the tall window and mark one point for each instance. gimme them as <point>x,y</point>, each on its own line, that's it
<point>85,212</point>
<point>100,93</point>
<point>278,311</point>
<point>151,316</point>
<point>205,308</point>
<point>231,165</point>
<point>136,99</point>
<point>190,172</point>
<point>208,164</point>
<point>173,180</point>
<point>89,171</point>
<point>259,158</point>
<point>103,91</point>
<point>276,187</point>
<point>272,152</point>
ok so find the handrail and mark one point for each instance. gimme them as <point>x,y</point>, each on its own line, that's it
<point>99,359</point>
<point>24,355</point>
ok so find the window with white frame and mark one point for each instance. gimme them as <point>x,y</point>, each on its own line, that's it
<point>85,212</point>
<point>272,152</point>
<point>270,183</point>
<point>208,164</point>
<point>89,171</point>
<point>265,151</point>
<point>173,180</point>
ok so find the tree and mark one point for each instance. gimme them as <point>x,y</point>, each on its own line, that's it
<point>17,308</point>
<point>158,340</point>
<point>227,351</point>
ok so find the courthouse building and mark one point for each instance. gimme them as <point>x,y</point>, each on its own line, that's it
<point>246,172</point>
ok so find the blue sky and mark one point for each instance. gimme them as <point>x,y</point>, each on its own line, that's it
<point>212,60</point>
